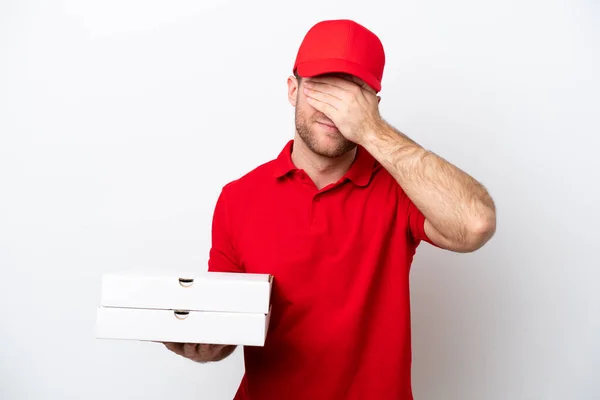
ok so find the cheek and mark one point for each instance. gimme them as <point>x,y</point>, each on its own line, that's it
<point>301,98</point>
<point>309,111</point>
<point>305,109</point>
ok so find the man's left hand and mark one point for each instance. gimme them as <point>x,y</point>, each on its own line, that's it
<point>352,107</point>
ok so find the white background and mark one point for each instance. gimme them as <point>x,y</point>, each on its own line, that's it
<point>120,121</point>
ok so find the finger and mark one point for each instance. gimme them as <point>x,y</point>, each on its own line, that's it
<point>206,350</point>
<point>333,81</point>
<point>338,97</point>
<point>323,97</point>
<point>176,348</point>
<point>363,85</point>
<point>325,108</point>
<point>190,350</point>
<point>347,85</point>
<point>213,350</point>
<point>325,88</point>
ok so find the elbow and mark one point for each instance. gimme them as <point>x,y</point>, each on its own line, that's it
<point>480,231</point>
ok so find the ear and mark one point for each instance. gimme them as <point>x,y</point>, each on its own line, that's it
<point>292,83</point>
<point>378,99</point>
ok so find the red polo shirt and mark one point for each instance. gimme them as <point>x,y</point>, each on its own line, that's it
<point>340,257</point>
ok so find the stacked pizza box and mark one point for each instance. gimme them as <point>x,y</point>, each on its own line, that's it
<point>169,306</point>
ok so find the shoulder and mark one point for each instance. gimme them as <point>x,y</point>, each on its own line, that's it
<point>388,193</point>
<point>383,182</point>
<point>252,181</point>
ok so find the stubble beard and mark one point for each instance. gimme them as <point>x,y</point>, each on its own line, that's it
<point>341,147</point>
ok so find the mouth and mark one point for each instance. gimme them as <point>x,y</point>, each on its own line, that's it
<point>330,125</point>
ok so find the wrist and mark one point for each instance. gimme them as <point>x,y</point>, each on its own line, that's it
<point>374,133</point>
<point>392,148</point>
<point>380,137</point>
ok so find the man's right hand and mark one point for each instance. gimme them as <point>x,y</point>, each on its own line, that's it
<point>201,352</point>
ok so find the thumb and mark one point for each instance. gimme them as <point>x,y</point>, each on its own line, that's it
<point>189,349</point>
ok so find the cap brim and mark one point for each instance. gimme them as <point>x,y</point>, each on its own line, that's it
<point>319,67</point>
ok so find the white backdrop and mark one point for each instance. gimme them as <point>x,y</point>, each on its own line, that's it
<point>121,120</point>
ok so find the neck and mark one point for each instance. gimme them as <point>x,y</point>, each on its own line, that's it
<point>322,170</point>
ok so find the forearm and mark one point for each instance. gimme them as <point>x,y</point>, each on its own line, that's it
<point>454,203</point>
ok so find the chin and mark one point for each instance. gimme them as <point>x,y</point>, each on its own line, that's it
<point>332,145</point>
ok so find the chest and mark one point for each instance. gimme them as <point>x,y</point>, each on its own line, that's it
<point>317,243</point>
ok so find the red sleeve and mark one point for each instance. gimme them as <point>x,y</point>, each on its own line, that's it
<point>416,219</point>
<point>222,256</point>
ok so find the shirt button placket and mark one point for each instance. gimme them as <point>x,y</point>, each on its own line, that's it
<point>313,208</point>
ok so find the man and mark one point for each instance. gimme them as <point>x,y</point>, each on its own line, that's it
<point>336,219</point>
